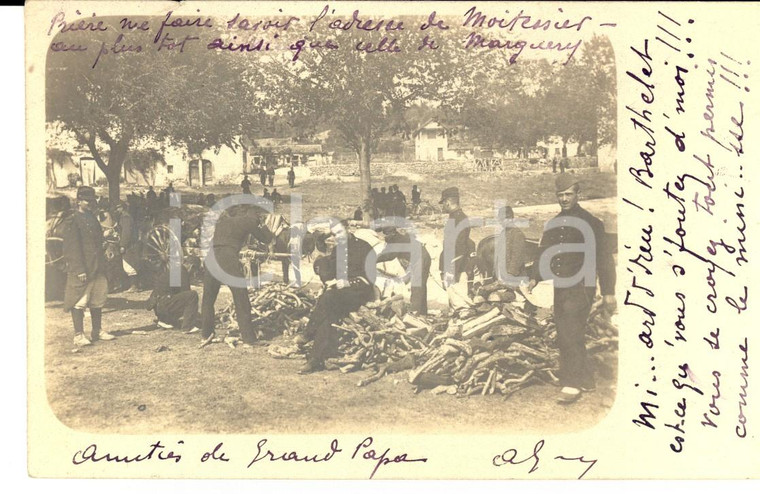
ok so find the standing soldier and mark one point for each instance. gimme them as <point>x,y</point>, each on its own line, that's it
<point>400,203</point>
<point>86,285</point>
<point>572,304</point>
<point>454,265</point>
<point>270,175</point>
<point>263,176</point>
<point>416,198</point>
<point>230,235</point>
<point>291,177</point>
<point>246,184</point>
<point>382,202</point>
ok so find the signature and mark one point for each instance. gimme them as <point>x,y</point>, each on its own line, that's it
<point>509,457</point>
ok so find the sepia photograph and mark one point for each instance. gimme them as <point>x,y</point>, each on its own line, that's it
<point>441,176</point>
<point>390,240</point>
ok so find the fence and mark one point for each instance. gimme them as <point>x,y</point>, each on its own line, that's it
<point>431,167</point>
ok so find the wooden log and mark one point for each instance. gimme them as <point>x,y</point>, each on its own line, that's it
<point>470,323</point>
<point>529,351</point>
<point>475,331</point>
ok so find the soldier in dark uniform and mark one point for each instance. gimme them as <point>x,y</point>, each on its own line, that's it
<point>175,306</point>
<point>340,297</point>
<point>418,301</point>
<point>276,197</point>
<point>456,274</point>
<point>382,202</point>
<point>151,198</point>
<point>416,196</point>
<point>246,184</point>
<point>86,284</point>
<point>270,175</point>
<point>291,177</point>
<point>400,202</point>
<point>230,234</point>
<point>263,176</point>
<point>266,194</point>
<point>573,304</point>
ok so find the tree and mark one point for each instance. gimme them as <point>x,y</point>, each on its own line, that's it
<point>514,105</point>
<point>359,95</point>
<point>599,61</point>
<point>198,98</point>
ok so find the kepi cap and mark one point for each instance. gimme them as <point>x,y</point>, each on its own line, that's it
<point>451,192</point>
<point>85,192</point>
<point>564,181</point>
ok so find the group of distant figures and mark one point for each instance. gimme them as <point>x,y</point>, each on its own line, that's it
<point>389,202</point>
<point>266,176</point>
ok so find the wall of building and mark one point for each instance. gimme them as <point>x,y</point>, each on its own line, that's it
<point>427,143</point>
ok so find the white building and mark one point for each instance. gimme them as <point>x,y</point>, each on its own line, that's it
<point>553,145</point>
<point>431,142</point>
<point>66,156</point>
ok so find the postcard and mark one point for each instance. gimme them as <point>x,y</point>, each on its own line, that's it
<point>392,240</point>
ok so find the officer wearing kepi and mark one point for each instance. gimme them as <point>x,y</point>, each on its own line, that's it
<point>572,304</point>
<point>455,266</point>
<point>86,284</point>
<point>230,235</point>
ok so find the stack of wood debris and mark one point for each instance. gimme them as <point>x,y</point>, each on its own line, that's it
<point>276,309</point>
<point>492,347</point>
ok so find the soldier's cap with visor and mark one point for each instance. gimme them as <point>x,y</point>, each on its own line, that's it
<point>450,193</point>
<point>564,181</point>
<point>86,193</point>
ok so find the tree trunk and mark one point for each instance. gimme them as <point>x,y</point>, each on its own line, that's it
<point>116,158</point>
<point>365,178</point>
<point>595,138</point>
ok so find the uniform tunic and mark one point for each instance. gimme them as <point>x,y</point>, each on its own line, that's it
<point>173,304</point>
<point>573,304</point>
<point>230,236</point>
<point>463,246</point>
<point>84,254</point>
<point>336,303</point>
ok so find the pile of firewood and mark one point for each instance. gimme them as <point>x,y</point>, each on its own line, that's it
<point>380,333</point>
<point>276,309</point>
<point>493,347</point>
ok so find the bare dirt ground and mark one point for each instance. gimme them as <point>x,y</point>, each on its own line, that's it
<point>161,382</point>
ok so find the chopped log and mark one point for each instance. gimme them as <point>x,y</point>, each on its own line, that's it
<point>475,331</point>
